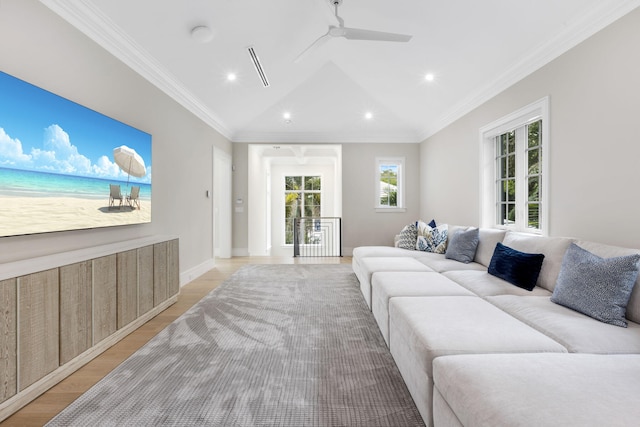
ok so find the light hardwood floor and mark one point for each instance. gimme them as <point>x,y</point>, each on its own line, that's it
<point>45,407</point>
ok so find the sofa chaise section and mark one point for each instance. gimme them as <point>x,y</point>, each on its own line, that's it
<point>537,390</point>
<point>424,328</point>
<point>387,285</point>
<point>371,265</point>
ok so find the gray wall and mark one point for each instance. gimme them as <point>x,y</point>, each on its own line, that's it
<point>361,224</point>
<point>594,94</point>
<point>41,48</point>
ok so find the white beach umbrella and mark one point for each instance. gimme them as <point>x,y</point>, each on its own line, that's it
<point>129,161</point>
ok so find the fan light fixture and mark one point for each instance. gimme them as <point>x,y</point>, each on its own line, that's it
<point>350,34</point>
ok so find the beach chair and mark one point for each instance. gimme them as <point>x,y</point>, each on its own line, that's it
<point>114,195</point>
<point>133,198</point>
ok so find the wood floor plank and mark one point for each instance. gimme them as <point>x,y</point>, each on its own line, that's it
<point>45,407</point>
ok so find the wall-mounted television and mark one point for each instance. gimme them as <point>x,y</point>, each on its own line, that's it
<point>66,167</point>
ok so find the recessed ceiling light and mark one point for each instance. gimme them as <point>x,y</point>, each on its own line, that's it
<point>429,77</point>
<point>232,77</point>
<point>286,115</point>
<point>368,115</point>
<point>202,34</point>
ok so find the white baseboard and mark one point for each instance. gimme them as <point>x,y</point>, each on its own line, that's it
<point>197,271</point>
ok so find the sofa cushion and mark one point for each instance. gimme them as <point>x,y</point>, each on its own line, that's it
<point>538,389</point>
<point>577,332</point>
<point>424,328</point>
<point>553,249</point>
<point>484,284</point>
<point>408,237</point>
<point>387,285</point>
<point>383,251</point>
<point>371,265</point>
<point>488,237</point>
<point>518,268</point>
<point>595,286</point>
<point>462,245</point>
<point>437,326</point>
<point>606,251</point>
<point>441,264</point>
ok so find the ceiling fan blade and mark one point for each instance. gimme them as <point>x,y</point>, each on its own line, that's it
<point>358,34</point>
<point>313,46</point>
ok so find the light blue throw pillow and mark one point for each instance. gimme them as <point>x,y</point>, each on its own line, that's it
<point>462,245</point>
<point>597,287</point>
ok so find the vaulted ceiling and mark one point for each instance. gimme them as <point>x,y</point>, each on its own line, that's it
<point>472,49</point>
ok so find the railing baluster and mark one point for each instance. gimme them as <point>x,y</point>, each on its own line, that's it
<point>317,236</point>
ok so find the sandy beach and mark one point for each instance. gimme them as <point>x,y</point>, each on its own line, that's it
<point>26,215</point>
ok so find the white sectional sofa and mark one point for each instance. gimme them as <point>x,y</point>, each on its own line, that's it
<point>475,349</point>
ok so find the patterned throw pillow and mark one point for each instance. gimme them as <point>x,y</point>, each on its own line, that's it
<point>597,287</point>
<point>432,239</point>
<point>408,236</point>
<point>424,228</point>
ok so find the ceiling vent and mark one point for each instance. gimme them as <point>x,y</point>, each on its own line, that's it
<point>258,66</point>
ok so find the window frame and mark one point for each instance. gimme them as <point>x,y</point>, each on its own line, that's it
<point>301,194</point>
<point>516,121</point>
<point>400,163</point>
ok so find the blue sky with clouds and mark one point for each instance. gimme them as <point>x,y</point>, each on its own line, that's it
<point>42,131</point>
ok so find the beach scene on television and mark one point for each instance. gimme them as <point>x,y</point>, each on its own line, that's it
<point>65,167</point>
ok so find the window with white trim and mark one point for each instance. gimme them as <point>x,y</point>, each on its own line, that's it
<point>302,198</point>
<point>389,184</point>
<point>515,152</point>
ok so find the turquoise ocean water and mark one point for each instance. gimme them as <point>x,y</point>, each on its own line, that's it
<point>21,183</point>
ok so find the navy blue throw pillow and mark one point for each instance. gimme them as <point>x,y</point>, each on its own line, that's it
<point>432,223</point>
<point>518,268</point>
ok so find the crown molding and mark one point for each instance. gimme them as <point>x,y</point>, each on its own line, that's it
<point>577,31</point>
<point>90,20</point>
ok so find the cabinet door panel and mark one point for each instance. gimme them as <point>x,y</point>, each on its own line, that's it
<point>127,272</point>
<point>38,328</point>
<point>8,339</point>
<point>160,291</point>
<point>173,267</point>
<point>75,310</point>
<point>145,279</point>
<point>104,297</point>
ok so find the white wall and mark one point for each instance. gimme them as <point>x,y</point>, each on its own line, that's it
<point>41,48</point>
<point>361,224</point>
<point>594,94</point>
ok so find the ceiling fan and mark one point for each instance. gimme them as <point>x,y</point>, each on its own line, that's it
<point>350,34</point>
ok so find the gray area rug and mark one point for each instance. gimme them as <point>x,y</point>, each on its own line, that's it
<point>274,345</point>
